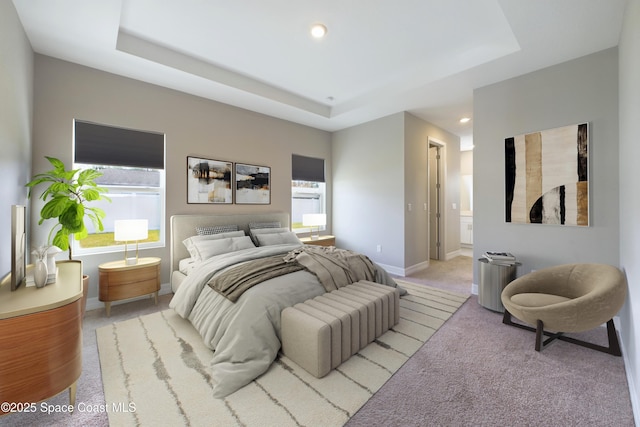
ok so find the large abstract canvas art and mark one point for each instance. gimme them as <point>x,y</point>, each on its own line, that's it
<point>546,176</point>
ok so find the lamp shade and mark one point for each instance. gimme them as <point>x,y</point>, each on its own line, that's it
<point>314,220</point>
<point>130,229</point>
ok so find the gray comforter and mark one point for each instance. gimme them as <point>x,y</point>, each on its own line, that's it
<point>244,335</point>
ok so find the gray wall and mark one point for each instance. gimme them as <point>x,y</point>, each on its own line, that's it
<point>368,195</point>
<point>193,126</point>
<point>16,116</point>
<point>629,52</point>
<point>582,90</point>
<point>379,168</point>
<point>416,164</point>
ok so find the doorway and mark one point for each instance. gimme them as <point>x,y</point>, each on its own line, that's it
<point>435,188</point>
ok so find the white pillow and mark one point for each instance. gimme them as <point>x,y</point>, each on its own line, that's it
<point>190,242</point>
<point>208,248</point>
<point>258,231</point>
<point>278,238</point>
<point>186,265</point>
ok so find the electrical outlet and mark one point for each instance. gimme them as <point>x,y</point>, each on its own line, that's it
<point>379,248</point>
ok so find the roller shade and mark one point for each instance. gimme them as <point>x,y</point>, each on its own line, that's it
<point>307,168</point>
<point>107,145</point>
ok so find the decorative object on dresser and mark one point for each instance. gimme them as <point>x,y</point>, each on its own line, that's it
<point>126,230</point>
<point>41,336</point>
<point>18,245</point>
<point>119,280</point>
<point>44,255</point>
<point>326,240</point>
<point>40,270</point>
<point>66,196</point>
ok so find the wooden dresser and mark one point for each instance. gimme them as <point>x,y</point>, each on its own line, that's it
<point>41,338</point>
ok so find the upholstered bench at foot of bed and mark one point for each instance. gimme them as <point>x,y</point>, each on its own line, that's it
<point>321,333</point>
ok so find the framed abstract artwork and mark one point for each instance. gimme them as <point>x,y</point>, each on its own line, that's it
<point>253,184</point>
<point>546,176</point>
<point>209,181</point>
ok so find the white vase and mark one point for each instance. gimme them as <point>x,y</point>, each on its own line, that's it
<point>51,258</point>
<point>40,272</point>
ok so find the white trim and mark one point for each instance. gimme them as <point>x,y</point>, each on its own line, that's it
<point>442,178</point>
<point>474,289</point>
<point>633,396</point>
<point>417,267</point>
<point>398,271</point>
<point>452,255</point>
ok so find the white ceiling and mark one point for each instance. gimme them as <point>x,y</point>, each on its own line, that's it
<point>379,56</point>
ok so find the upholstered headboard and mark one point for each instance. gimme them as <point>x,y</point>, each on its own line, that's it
<point>183,226</point>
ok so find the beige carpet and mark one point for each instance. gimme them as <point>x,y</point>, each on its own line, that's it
<point>155,372</point>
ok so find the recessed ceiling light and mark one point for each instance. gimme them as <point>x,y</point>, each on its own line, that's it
<point>318,31</point>
<point>465,120</point>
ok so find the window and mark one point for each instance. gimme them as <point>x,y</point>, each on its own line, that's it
<point>132,164</point>
<point>308,189</point>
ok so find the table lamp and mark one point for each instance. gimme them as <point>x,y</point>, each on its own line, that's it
<point>314,220</point>
<point>126,230</point>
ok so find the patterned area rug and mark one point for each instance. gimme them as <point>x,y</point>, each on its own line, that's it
<point>155,372</point>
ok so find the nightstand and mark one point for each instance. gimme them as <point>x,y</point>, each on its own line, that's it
<point>327,240</point>
<point>119,281</point>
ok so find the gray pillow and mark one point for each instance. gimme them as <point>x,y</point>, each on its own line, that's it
<point>215,229</point>
<point>270,224</point>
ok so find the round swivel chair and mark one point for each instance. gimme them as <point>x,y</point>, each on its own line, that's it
<point>567,298</point>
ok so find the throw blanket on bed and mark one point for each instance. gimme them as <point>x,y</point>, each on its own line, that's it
<point>334,267</point>
<point>234,281</point>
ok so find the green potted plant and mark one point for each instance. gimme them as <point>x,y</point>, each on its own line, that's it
<point>66,196</point>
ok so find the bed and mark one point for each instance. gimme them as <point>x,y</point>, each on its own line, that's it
<point>244,335</point>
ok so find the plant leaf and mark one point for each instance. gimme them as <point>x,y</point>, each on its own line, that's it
<point>61,239</point>
<point>72,218</point>
<point>55,207</point>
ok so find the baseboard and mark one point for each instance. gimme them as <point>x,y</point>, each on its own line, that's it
<point>94,303</point>
<point>452,255</point>
<point>415,268</point>
<point>392,269</point>
<point>633,396</point>
<point>474,289</point>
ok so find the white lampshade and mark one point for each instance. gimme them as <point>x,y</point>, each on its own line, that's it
<point>314,220</point>
<point>127,230</point>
